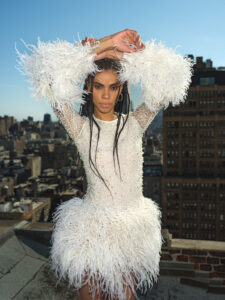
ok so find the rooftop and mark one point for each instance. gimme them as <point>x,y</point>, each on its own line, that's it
<point>25,271</point>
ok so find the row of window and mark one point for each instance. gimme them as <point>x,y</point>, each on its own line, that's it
<point>190,144</point>
<point>189,215</point>
<point>188,134</point>
<point>172,153</point>
<point>192,153</point>
<point>207,143</point>
<point>195,94</point>
<point>188,164</point>
<point>172,215</point>
<point>207,196</point>
<point>172,143</point>
<point>189,205</point>
<point>207,153</point>
<point>193,207</point>
<point>208,206</point>
<point>192,134</point>
<point>180,113</point>
<point>172,124</point>
<point>209,133</point>
<point>189,225</point>
<point>207,226</point>
<point>211,103</point>
<point>188,124</point>
<point>190,185</point>
<point>205,103</point>
<point>189,153</point>
<point>208,216</point>
<point>206,164</point>
<point>172,162</point>
<point>194,197</point>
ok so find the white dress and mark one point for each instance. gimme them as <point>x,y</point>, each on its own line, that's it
<point>109,236</point>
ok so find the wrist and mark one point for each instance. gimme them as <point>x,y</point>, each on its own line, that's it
<point>105,44</point>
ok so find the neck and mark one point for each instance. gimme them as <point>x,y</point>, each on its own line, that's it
<point>106,117</point>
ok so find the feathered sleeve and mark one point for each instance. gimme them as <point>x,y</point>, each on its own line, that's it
<point>56,71</point>
<point>164,76</point>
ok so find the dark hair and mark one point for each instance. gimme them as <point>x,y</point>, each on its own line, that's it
<point>87,109</point>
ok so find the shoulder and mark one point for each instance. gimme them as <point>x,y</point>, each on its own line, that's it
<point>133,123</point>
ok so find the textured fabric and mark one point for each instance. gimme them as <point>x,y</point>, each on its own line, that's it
<point>163,74</point>
<point>108,236</point>
<point>56,70</point>
<point>70,119</point>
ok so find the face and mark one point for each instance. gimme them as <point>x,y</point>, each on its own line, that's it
<point>106,89</point>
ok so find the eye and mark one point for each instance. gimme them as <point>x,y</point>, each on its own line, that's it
<point>97,86</point>
<point>115,87</point>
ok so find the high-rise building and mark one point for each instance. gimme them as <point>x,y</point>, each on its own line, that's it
<point>193,183</point>
<point>47,119</point>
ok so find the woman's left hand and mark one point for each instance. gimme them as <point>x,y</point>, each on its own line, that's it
<point>127,40</point>
<point>90,40</point>
<point>113,46</point>
<point>113,54</point>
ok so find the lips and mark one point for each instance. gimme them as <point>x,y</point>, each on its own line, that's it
<point>105,104</point>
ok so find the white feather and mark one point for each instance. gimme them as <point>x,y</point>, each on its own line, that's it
<point>57,70</point>
<point>108,244</point>
<point>164,75</point>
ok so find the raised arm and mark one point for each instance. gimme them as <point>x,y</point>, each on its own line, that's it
<point>143,115</point>
<point>56,71</point>
<point>164,76</point>
<point>71,120</point>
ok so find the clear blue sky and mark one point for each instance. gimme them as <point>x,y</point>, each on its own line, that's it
<point>197,26</point>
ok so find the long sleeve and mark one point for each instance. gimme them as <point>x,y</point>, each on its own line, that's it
<point>164,75</point>
<point>144,116</point>
<point>70,119</point>
<point>56,71</point>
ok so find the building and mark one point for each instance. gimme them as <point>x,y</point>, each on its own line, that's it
<point>194,158</point>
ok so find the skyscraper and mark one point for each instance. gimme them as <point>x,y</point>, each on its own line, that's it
<point>194,158</point>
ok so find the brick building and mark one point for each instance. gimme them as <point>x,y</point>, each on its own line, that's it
<point>194,158</point>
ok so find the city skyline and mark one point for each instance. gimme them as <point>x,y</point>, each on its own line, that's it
<point>177,24</point>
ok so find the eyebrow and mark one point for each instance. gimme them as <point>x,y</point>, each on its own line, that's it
<point>116,83</point>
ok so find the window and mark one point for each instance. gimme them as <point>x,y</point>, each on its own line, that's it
<point>205,81</point>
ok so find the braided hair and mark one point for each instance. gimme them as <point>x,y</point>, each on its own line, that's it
<point>122,106</point>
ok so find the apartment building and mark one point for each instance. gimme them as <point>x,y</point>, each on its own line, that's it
<point>193,185</point>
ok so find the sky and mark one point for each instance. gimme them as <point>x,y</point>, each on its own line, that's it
<point>196,26</point>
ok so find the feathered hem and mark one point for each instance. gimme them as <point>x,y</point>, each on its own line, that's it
<point>108,246</point>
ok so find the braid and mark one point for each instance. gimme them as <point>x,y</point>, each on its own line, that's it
<point>87,109</point>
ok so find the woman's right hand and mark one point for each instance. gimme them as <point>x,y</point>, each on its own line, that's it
<point>113,46</point>
<point>127,41</point>
<point>113,54</point>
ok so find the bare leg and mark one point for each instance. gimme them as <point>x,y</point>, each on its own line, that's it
<point>129,293</point>
<point>83,293</point>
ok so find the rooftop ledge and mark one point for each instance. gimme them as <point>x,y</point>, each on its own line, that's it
<point>189,269</point>
<point>197,244</point>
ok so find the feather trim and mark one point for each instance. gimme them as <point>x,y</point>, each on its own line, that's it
<point>108,245</point>
<point>164,75</point>
<point>57,70</point>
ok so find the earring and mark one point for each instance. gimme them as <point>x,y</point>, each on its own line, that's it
<point>120,98</point>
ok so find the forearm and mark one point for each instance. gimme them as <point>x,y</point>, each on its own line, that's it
<point>105,44</point>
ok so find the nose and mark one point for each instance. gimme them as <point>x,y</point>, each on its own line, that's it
<point>105,93</point>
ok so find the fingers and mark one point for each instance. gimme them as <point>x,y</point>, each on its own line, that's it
<point>88,39</point>
<point>113,54</point>
<point>133,41</point>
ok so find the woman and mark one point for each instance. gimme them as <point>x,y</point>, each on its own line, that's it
<point>108,243</point>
